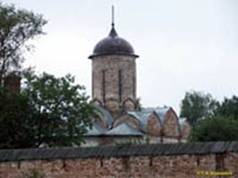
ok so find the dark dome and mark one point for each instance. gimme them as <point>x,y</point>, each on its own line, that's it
<point>113,44</point>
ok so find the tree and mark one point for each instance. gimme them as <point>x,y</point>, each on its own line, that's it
<point>197,105</point>
<point>17,26</point>
<point>61,108</point>
<point>215,129</point>
<point>15,120</point>
<point>228,108</point>
<point>222,125</point>
<point>49,110</point>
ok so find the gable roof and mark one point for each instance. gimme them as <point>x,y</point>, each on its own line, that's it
<point>144,114</point>
<point>104,115</point>
<point>141,116</point>
<point>124,129</point>
<point>161,113</point>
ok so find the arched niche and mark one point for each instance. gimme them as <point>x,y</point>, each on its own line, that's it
<point>128,105</point>
<point>112,105</point>
<point>131,121</point>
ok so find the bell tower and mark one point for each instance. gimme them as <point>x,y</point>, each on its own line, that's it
<point>114,73</point>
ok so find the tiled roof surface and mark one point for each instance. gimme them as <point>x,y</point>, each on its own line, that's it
<point>142,116</point>
<point>123,130</point>
<point>96,130</point>
<point>161,112</point>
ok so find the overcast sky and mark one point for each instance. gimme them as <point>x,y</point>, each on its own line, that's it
<point>183,45</point>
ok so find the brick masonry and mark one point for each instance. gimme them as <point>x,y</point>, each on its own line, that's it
<point>114,81</point>
<point>160,161</point>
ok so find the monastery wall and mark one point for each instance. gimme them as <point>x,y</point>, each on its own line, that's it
<point>158,160</point>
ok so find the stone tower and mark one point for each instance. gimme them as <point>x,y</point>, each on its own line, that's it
<point>114,74</point>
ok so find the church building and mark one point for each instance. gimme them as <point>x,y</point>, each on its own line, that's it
<point>120,118</point>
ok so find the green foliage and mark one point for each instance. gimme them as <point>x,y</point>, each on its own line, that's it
<point>49,110</point>
<point>61,108</point>
<point>228,108</point>
<point>17,26</point>
<point>197,105</point>
<point>221,125</point>
<point>15,121</point>
<point>215,129</point>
